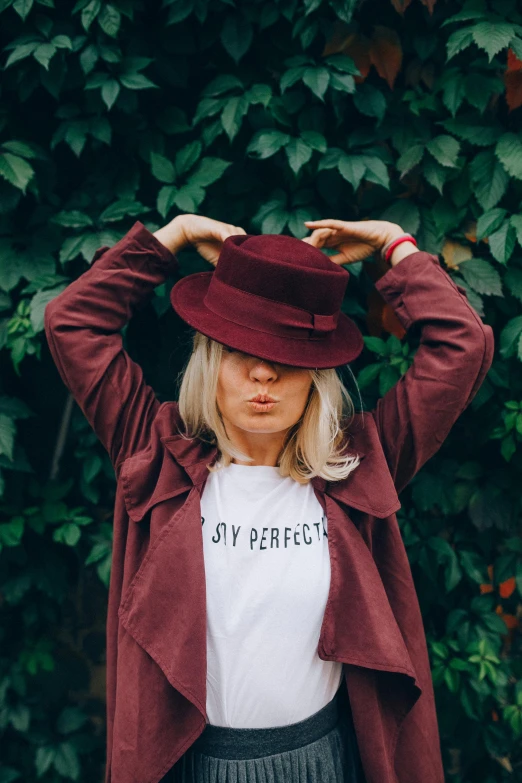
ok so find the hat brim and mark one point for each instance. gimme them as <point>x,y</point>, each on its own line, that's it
<point>340,347</point>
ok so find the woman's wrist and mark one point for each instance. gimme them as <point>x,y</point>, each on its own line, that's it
<point>172,236</point>
<point>401,251</point>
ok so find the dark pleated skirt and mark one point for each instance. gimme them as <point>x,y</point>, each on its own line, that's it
<point>320,749</point>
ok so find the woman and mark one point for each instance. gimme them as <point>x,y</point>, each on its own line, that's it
<point>262,620</point>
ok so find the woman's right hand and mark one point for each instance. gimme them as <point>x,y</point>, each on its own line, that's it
<point>203,233</point>
<point>355,240</point>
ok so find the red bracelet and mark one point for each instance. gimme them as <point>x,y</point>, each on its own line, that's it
<point>390,247</point>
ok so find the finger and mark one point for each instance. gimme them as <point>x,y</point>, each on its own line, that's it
<point>360,229</point>
<point>230,231</point>
<point>326,223</point>
<point>340,258</point>
<point>321,236</point>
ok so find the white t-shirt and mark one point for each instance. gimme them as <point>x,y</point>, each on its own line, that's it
<point>267,570</point>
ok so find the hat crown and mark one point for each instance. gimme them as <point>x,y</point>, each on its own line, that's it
<point>285,249</point>
<point>284,269</point>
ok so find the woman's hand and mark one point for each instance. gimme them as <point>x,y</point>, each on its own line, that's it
<point>205,234</point>
<point>355,240</point>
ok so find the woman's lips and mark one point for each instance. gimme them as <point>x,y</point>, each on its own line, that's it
<point>262,406</point>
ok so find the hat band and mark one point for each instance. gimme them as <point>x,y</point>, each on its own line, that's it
<point>266,315</point>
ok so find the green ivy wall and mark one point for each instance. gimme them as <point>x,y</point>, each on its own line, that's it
<point>261,114</point>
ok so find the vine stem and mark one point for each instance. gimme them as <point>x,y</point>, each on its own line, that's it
<point>61,437</point>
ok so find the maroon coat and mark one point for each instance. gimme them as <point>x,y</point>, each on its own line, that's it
<point>156,623</point>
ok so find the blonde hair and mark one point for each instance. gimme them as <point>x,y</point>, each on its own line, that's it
<point>313,445</point>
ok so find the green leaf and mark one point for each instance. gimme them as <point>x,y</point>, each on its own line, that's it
<point>166,200</point>
<point>236,36</point>
<point>89,13</point>
<point>210,170</point>
<point>136,81</point>
<point>452,83</point>
<point>180,11</point>
<point>44,53</point>
<point>231,117</point>
<point>445,150</point>
<point>342,63</point>
<point>21,52</point>
<point>298,153</point>
<point>352,168</point>
<point>315,140</point>
<point>70,719</point>
<point>109,92</point>
<point>68,534</point>
<point>189,197</point>
<point>43,759</point>
<point>38,305</point>
<point>221,84</point>
<point>513,280</point>
<point>489,222</point>
<point>492,38</point>
<point>22,8</point>
<point>296,222</point>
<point>376,345</point>
<point>489,179</point>
<point>480,88</point>
<point>458,41</point>
<point>502,243</point>
<point>510,336</point>
<point>187,156</point>
<point>266,143</point>
<point>516,222</point>
<point>120,209</point>
<point>376,171</point>
<point>387,379</point>
<point>342,82</point>
<point>368,374</point>
<point>317,79</point>
<point>66,761</point>
<point>404,213</point>
<point>435,174</point>
<point>411,157</point>
<point>344,9</point>
<point>290,77</point>
<point>483,132</point>
<point>259,93</point>
<point>109,20</point>
<point>16,170</point>
<point>72,219</point>
<point>509,153</point>
<point>370,101</point>
<point>474,566</point>
<point>481,276</point>
<point>162,169</point>
<point>7,434</point>
<point>62,42</point>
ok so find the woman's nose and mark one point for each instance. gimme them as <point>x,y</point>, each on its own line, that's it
<point>263,371</point>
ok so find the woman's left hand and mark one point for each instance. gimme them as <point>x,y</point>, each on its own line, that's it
<point>205,234</point>
<point>355,240</point>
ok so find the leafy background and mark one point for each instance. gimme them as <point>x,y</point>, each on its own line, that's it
<point>262,115</point>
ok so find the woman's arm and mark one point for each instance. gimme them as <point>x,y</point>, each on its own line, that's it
<point>455,352</point>
<point>454,355</point>
<point>83,325</point>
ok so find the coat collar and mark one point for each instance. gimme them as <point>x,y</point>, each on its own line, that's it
<point>369,488</point>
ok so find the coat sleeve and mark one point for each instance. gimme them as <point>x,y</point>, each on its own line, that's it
<point>83,324</point>
<point>454,355</point>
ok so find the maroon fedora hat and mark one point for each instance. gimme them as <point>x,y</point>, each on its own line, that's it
<point>275,297</point>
